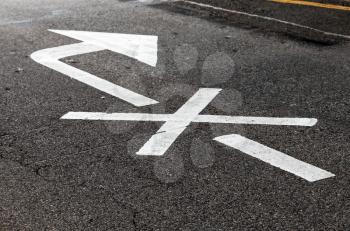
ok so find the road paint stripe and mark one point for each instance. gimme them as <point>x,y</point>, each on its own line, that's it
<point>50,58</point>
<point>143,48</point>
<point>308,122</point>
<point>266,18</point>
<point>275,158</point>
<point>314,4</point>
<point>94,42</point>
<point>160,142</point>
<point>118,116</point>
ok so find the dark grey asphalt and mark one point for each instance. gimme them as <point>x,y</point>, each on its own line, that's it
<point>327,20</point>
<point>72,175</point>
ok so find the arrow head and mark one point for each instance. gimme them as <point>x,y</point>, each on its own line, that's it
<point>140,47</point>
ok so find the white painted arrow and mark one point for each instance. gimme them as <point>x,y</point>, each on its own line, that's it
<point>140,47</point>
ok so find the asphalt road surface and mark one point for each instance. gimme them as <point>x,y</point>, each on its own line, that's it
<point>105,172</point>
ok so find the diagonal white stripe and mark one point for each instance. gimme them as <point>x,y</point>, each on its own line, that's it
<point>159,143</point>
<point>275,158</point>
<point>50,58</point>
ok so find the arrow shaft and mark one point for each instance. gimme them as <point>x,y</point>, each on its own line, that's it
<point>50,58</point>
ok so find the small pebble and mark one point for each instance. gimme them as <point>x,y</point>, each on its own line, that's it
<point>71,61</point>
<point>18,70</point>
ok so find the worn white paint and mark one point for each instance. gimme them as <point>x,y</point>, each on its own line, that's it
<point>144,49</point>
<point>140,47</point>
<point>306,122</point>
<point>275,158</point>
<point>176,123</point>
<point>160,142</point>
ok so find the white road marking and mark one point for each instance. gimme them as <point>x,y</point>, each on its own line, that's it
<point>307,122</point>
<point>275,158</point>
<point>140,47</point>
<point>176,123</point>
<point>160,142</point>
<point>144,49</point>
<point>265,18</point>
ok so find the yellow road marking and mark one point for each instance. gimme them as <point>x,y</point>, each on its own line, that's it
<point>315,4</point>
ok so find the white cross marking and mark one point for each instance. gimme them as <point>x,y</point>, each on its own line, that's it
<point>168,133</point>
<point>176,123</point>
